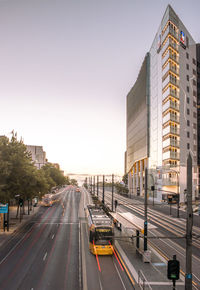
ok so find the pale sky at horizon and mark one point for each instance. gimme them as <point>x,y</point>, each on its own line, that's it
<point>66,68</point>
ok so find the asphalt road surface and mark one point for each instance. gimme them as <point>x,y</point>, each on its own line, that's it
<point>51,252</point>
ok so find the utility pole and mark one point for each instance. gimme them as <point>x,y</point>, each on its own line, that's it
<point>189,223</point>
<point>145,212</point>
<point>103,190</point>
<point>112,189</point>
<point>98,186</point>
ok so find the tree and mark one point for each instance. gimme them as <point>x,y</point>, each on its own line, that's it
<point>73,182</point>
<point>125,179</point>
<point>53,176</point>
<point>121,189</point>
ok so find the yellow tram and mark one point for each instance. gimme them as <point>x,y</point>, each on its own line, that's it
<point>101,231</point>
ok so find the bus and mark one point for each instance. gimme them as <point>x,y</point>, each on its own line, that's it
<point>101,231</point>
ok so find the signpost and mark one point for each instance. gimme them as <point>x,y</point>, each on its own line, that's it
<point>3,208</point>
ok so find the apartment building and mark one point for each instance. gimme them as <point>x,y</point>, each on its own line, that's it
<point>38,155</point>
<point>162,113</point>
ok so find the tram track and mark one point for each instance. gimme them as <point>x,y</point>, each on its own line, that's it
<point>163,221</point>
<point>167,223</point>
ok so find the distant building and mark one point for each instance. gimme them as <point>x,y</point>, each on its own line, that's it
<point>162,113</point>
<point>38,155</point>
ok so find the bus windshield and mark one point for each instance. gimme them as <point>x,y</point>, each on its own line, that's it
<point>103,236</point>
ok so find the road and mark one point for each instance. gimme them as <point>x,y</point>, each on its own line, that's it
<point>167,226</point>
<point>51,252</point>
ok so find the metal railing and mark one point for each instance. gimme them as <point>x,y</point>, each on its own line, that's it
<point>142,281</point>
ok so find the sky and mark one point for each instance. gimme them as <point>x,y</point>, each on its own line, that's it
<point>66,67</point>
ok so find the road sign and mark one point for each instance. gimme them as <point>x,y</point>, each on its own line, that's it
<point>3,208</point>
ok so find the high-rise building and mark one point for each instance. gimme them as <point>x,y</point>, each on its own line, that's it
<point>162,113</point>
<point>198,109</point>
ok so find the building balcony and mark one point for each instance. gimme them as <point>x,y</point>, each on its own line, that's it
<point>171,31</point>
<point>171,130</point>
<point>170,79</point>
<point>170,105</point>
<point>169,181</point>
<point>171,155</point>
<point>171,142</point>
<point>170,43</point>
<point>169,67</point>
<point>170,92</point>
<point>170,117</point>
<point>169,55</point>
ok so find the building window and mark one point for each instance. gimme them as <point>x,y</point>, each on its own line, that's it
<point>194,61</point>
<point>194,72</point>
<point>187,77</point>
<point>188,100</point>
<point>195,115</point>
<point>188,111</point>
<point>194,93</point>
<point>187,41</point>
<point>194,83</point>
<point>188,134</point>
<point>188,89</point>
<point>188,122</point>
<point>187,55</point>
<point>188,145</point>
<point>187,66</point>
<point>194,126</point>
<point>194,104</point>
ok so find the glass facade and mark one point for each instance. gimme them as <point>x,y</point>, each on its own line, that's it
<point>171,71</point>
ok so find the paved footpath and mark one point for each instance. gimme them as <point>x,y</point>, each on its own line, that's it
<point>15,223</point>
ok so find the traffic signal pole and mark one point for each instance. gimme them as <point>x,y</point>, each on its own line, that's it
<point>189,223</point>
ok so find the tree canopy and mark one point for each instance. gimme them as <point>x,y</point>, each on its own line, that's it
<point>19,176</point>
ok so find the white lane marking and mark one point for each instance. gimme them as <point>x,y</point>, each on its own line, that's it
<point>52,237</point>
<point>16,245</point>
<point>119,275</point>
<point>44,258</point>
<point>100,282</point>
<point>84,274</point>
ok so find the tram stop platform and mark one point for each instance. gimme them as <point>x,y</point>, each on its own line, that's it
<point>145,270</point>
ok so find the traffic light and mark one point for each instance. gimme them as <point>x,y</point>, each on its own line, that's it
<point>173,270</point>
<point>152,187</point>
<point>21,202</point>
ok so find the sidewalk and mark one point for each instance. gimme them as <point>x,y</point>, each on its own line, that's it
<point>14,223</point>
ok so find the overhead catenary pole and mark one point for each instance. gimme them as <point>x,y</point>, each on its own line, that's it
<point>98,186</point>
<point>94,186</point>
<point>103,190</point>
<point>178,195</point>
<point>145,211</point>
<point>189,223</point>
<point>112,190</point>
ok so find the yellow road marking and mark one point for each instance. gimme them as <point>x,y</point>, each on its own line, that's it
<point>129,275</point>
